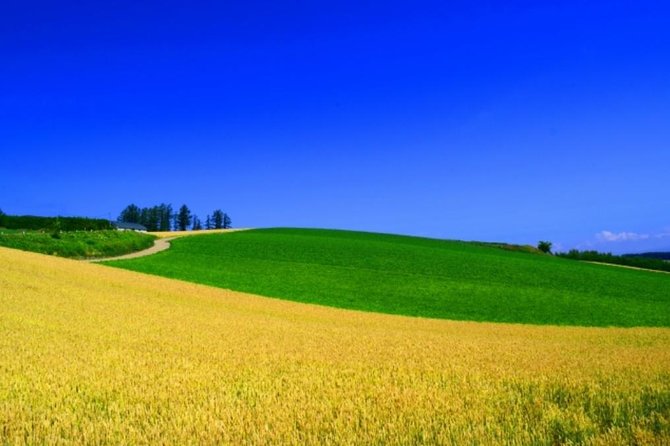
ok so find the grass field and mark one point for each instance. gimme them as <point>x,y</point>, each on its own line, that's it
<point>97,355</point>
<point>77,244</point>
<point>415,276</point>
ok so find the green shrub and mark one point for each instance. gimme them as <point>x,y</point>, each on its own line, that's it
<point>544,246</point>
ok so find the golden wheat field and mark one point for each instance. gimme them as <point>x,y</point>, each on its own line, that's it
<point>96,355</point>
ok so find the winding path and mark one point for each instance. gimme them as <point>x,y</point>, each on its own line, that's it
<point>160,244</point>
<point>163,242</point>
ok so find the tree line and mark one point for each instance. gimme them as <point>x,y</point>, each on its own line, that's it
<point>638,262</point>
<point>162,218</point>
<point>651,255</point>
<point>36,223</point>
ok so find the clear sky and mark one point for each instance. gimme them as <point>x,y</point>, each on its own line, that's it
<point>487,120</point>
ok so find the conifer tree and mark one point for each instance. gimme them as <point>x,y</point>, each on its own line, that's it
<point>131,214</point>
<point>197,224</point>
<point>217,216</point>
<point>184,218</point>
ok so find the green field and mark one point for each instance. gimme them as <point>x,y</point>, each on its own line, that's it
<point>416,276</point>
<point>76,244</point>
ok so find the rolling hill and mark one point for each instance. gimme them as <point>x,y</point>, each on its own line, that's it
<point>97,355</point>
<point>416,277</point>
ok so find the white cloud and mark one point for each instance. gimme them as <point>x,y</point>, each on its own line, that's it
<point>608,236</point>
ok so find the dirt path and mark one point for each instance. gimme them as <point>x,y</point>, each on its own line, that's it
<point>163,242</point>
<point>160,244</point>
<point>628,267</point>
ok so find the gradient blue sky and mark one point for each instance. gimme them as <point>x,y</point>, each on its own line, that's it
<point>499,121</point>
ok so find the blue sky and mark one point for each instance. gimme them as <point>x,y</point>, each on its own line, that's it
<point>499,121</point>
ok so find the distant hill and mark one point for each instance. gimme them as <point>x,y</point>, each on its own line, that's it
<point>416,277</point>
<point>651,255</point>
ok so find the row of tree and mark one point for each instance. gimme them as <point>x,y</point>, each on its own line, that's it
<point>162,218</point>
<point>37,223</point>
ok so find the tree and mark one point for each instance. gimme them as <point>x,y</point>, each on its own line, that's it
<point>183,218</point>
<point>131,214</point>
<point>544,246</point>
<point>227,222</point>
<point>208,222</point>
<point>153,217</point>
<point>165,216</point>
<point>144,218</point>
<point>197,224</point>
<point>217,216</point>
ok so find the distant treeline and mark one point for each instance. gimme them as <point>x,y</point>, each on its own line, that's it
<point>162,218</point>
<point>638,262</point>
<point>651,255</point>
<point>510,247</point>
<point>31,222</point>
